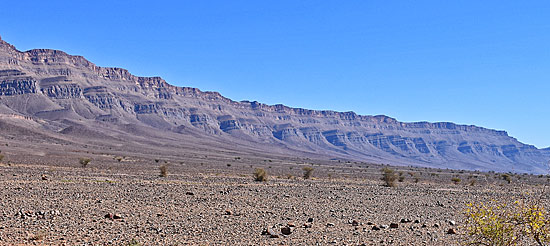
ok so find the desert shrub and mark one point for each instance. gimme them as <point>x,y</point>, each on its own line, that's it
<point>507,178</point>
<point>1,158</point>
<point>308,171</point>
<point>119,158</point>
<point>389,176</point>
<point>401,179</point>
<point>38,236</point>
<point>498,223</point>
<point>456,180</point>
<point>163,170</point>
<point>84,161</point>
<point>134,242</point>
<point>472,182</point>
<point>260,175</point>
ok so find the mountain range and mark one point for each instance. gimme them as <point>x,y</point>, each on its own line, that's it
<point>51,96</point>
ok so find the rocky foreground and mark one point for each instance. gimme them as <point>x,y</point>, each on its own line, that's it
<point>53,205</point>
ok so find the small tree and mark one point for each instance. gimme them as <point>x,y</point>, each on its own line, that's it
<point>84,161</point>
<point>308,171</point>
<point>260,175</point>
<point>389,176</point>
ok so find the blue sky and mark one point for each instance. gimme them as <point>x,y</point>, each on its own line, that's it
<point>485,63</point>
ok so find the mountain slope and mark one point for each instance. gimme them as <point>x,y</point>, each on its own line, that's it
<point>63,95</point>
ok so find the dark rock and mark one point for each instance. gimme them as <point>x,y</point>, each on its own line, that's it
<point>394,225</point>
<point>113,216</point>
<point>451,231</point>
<point>286,230</point>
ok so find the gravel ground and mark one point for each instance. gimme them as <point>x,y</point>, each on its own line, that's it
<point>53,205</point>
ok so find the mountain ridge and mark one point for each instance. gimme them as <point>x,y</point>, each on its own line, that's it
<point>62,89</point>
<point>121,73</point>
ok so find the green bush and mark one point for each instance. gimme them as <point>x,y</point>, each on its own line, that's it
<point>163,170</point>
<point>389,176</point>
<point>456,180</point>
<point>498,223</point>
<point>260,175</point>
<point>84,161</point>
<point>507,178</point>
<point>308,171</point>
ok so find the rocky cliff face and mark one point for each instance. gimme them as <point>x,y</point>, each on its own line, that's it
<point>60,89</point>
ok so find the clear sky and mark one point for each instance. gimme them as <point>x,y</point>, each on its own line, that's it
<point>485,63</point>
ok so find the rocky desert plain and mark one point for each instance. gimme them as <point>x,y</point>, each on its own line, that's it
<point>213,199</point>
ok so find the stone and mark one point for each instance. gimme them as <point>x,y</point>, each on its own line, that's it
<point>113,216</point>
<point>270,232</point>
<point>310,220</point>
<point>451,231</point>
<point>394,225</point>
<point>376,228</point>
<point>287,230</point>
